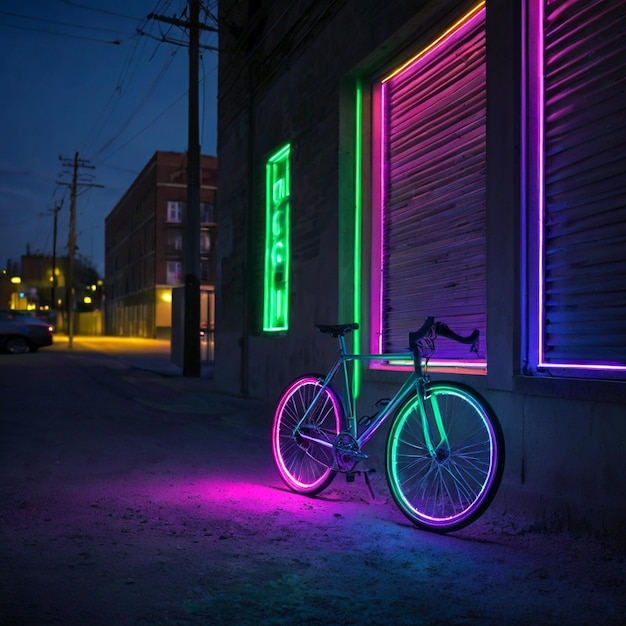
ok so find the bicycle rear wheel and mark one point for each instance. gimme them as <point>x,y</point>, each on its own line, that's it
<point>445,460</point>
<point>304,465</point>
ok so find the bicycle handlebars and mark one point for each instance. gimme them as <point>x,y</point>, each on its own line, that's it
<point>444,330</point>
<point>414,337</point>
<point>432,328</point>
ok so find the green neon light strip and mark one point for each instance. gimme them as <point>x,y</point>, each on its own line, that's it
<point>277,252</point>
<point>358,209</point>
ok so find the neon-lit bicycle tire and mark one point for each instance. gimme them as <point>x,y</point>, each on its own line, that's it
<point>304,466</point>
<point>450,488</point>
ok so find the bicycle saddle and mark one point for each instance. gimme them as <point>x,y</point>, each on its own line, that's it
<point>336,330</point>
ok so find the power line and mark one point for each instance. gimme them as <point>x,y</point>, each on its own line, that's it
<point>96,10</point>
<point>178,42</point>
<point>143,130</point>
<point>152,122</point>
<point>129,67</point>
<point>145,98</point>
<point>115,42</point>
<point>57,23</point>
<point>142,30</point>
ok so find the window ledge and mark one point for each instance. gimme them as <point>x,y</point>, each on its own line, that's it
<point>592,390</point>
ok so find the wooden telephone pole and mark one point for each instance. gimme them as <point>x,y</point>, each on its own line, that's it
<point>71,237</point>
<point>191,317</point>
<point>191,354</point>
<point>54,257</point>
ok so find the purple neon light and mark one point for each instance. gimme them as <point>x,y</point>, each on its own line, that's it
<point>539,15</point>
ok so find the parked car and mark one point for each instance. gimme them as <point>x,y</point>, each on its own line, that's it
<point>21,332</point>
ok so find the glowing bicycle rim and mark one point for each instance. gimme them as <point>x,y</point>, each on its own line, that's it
<point>304,466</point>
<point>444,468</point>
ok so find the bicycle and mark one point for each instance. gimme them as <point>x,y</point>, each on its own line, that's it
<point>445,448</point>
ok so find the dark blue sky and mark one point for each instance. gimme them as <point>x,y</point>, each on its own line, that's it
<point>68,89</point>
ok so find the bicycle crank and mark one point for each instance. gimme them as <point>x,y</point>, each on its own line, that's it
<point>347,452</point>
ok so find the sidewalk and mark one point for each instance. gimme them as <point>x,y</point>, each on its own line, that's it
<point>154,355</point>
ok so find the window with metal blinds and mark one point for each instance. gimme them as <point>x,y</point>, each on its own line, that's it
<point>433,207</point>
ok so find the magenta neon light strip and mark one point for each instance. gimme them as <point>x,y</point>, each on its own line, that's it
<point>476,12</point>
<point>379,123</point>
<point>378,195</point>
<point>383,187</point>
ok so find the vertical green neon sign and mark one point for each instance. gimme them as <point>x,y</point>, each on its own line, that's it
<point>358,213</point>
<point>276,275</point>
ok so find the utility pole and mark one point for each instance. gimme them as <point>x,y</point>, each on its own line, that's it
<point>54,257</point>
<point>191,333</point>
<point>71,238</point>
<point>191,317</point>
<point>53,277</point>
<point>71,249</point>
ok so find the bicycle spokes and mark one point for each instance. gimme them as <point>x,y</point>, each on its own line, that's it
<point>442,461</point>
<point>306,422</point>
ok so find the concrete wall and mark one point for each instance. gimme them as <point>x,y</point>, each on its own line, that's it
<point>287,75</point>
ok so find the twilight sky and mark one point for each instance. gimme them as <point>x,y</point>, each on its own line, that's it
<point>68,89</point>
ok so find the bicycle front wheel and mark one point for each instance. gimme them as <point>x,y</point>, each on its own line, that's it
<point>445,457</point>
<point>303,447</point>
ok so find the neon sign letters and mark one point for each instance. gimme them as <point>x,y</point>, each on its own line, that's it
<point>276,282</point>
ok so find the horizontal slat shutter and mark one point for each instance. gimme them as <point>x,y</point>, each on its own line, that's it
<point>585,182</point>
<point>434,213</point>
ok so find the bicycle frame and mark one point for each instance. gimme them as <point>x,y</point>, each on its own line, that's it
<point>414,382</point>
<point>444,455</point>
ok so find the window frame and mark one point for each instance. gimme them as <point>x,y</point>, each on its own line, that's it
<point>175,210</point>
<point>379,172</point>
<point>536,362</point>
<point>175,275</point>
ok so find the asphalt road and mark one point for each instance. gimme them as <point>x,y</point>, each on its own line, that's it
<point>130,495</point>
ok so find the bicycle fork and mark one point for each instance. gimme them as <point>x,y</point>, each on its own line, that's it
<point>440,450</point>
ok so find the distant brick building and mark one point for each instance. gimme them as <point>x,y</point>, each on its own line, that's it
<point>144,247</point>
<point>37,272</point>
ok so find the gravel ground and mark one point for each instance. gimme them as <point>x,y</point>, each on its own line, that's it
<point>139,499</point>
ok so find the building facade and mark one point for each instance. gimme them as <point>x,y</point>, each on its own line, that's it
<point>43,283</point>
<point>144,247</point>
<point>383,162</point>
